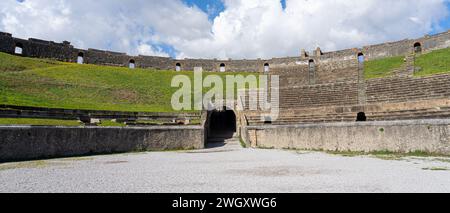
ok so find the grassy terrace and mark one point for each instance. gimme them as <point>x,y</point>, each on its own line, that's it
<point>53,122</point>
<point>47,83</point>
<point>435,62</point>
<point>38,122</point>
<point>381,68</point>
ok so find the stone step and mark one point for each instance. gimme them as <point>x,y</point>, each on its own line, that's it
<point>427,113</point>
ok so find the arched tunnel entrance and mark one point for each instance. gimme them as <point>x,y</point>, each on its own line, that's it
<point>222,126</point>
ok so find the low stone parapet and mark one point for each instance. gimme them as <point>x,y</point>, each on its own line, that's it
<point>27,142</point>
<point>431,136</point>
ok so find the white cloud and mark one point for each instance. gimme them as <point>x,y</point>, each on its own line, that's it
<point>260,28</point>
<point>246,29</point>
<point>107,24</point>
<point>145,49</point>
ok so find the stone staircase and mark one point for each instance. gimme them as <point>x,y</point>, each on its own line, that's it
<point>230,143</point>
<point>406,69</point>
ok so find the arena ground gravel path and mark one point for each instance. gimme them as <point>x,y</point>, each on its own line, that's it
<point>227,169</point>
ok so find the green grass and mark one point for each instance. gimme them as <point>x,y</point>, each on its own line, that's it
<point>243,144</point>
<point>384,154</point>
<point>381,68</point>
<point>40,164</point>
<point>16,63</point>
<point>38,122</point>
<point>195,122</point>
<point>381,154</point>
<point>265,147</point>
<point>437,169</point>
<point>55,122</point>
<point>150,122</point>
<point>108,123</point>
<point>46,83</point>
<point>435,62</point>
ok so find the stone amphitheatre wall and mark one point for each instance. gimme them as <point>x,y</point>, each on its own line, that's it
<point>28,143</point>
<point>338,65</point>
<point>318,88</point>
<point>431,136</point>
<point>395,98</point>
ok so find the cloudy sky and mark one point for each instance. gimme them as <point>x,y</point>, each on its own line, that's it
<point>223,28</point>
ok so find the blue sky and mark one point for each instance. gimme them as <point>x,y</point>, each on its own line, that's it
<point>444,23</point>
<point>212,7</point>
<point>244,29</point>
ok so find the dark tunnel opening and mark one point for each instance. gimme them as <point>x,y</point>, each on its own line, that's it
<point>222,126</point>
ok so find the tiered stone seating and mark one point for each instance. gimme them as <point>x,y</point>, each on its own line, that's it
<point>337,71</point>
<point>406,114</point>
<point>338,94</point>
<point>397,98</point>
<point>298,118</point>
<point>408,89</point>
<point>429,109</point>
<point>302,119</point>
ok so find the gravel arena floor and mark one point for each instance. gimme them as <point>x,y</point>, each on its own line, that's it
<point>229,168</point>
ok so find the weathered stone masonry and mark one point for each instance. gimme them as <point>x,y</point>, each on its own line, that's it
<point>27,143</point>
<point>320,97</point>
<point>432,136</point>
<point>329,66</point>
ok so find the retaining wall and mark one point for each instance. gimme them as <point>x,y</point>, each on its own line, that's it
<point>431,136</point>
<point>27,143</point>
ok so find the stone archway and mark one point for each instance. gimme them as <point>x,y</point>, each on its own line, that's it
<point>417,47</point>
<point>18,49</point>
<point>361,117</point>
<point>222,126</point>
<point>80,58</point>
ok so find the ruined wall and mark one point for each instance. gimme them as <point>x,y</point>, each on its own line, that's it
<point>400,48</point>
<point>330,71</point>
<point>432,136</point>
<point>214,65</point>
<point>337,65</point>
<point>27,143</point>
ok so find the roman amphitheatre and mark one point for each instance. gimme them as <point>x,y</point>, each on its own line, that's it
<point>368,119</point>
